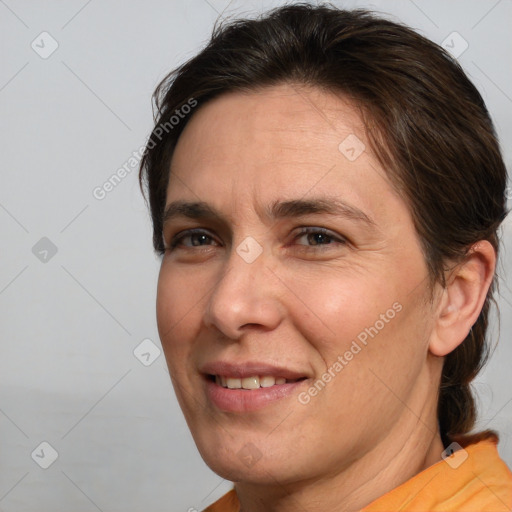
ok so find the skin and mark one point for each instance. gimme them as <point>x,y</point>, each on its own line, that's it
<point>303,301</point>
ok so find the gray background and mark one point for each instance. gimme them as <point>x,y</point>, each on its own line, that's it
<point>70,321</point>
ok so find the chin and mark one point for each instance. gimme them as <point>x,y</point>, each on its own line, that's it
<point>247,464</point>
<point>236,472</point>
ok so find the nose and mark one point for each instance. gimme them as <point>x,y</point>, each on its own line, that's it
<point>245,296</point>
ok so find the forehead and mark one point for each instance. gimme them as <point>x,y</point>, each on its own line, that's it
<point>276,121</point>
<point>284,141</point>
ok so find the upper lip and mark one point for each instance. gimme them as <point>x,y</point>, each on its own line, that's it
<point>249,369</point>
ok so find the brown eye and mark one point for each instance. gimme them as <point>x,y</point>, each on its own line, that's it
<point>320,237</point>
<point>198,238</point>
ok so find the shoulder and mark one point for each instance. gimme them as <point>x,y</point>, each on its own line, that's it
<point>228,503</point>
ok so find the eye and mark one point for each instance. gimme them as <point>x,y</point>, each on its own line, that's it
<point>197,237</point>
<point>320,237</point>
<point>314,237</point>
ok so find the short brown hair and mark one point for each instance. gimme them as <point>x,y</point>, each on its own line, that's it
<point>425,120</point>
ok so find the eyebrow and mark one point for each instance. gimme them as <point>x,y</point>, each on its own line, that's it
<point>201,210</point>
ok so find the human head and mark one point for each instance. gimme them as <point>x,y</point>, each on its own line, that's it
<point>424,120</point>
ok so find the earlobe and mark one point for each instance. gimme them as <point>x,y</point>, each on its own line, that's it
<point>462,299</point>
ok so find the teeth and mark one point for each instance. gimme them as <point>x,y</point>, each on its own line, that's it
<point>266,381</point>
<point>254,382</point>
<point>234,383</point>
<point>251,382</point>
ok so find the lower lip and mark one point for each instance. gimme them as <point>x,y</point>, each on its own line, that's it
<point>245,400</point>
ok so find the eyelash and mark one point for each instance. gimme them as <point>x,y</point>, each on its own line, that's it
<point>306,231</point>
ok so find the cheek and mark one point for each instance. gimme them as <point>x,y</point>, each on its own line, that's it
<point>372,322</point>
<point>333,308</point>
<point>177,318</point>
<point>176,311</point>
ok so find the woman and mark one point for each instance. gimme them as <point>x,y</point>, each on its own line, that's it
<point>326,188</point>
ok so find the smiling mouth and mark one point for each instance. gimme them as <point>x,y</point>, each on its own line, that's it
<point>249,383</point>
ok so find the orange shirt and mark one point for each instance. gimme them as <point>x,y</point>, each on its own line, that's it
<point>480,483</point>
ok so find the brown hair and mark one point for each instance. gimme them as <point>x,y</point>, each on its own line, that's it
<point>425,120</point>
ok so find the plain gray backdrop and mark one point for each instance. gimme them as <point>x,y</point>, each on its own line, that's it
<point>80,367</point>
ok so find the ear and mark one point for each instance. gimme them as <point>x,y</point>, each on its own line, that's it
<point>463,298</point>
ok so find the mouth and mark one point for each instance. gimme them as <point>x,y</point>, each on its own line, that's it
<point>232,394</point>
<point>244,386</point>
<point>252,382</point>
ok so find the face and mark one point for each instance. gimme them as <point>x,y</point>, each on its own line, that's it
<point>299,277</point>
